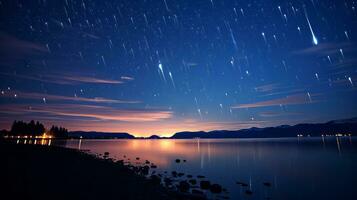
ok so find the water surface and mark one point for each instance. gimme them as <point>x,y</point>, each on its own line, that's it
<point>297,168</point>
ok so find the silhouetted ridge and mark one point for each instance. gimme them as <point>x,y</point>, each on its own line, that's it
<point>154,137</point>
<point>344,127</point>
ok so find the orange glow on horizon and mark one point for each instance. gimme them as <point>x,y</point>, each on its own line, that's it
<point>161,128</point>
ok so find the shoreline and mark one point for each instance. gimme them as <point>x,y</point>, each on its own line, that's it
<point>39,172</point>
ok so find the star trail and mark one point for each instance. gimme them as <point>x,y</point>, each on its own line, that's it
<point>163,66</point>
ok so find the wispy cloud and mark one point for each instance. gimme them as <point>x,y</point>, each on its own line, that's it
<point>128,78</point>
<point>279,114</point>
<point>197,125</point>
<point>14,48</point>
<point>64,79</point>
<point>86,79</point>
<point>87,112</point>
<point>296,99</point>
<point>325,49</point>
<point>267,87</point>
<point>51,97</point>
<point>273,89</point>
<point>351,62</point>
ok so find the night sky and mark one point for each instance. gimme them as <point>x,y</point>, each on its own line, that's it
<point>163,66</point>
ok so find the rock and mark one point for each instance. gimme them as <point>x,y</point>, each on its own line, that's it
<point>184,186</point>
<point>205,185</point>
<point>147,162</point>
<point>199,176</point>
<point>177,160</point>
<point>267,184</point>
<point>174,173</point>
<point>120,162</point>
<point>167,181</point>
<point>137,158</point>
<point>249,192</point>
<point>106,154</point>
<point>189,176</point>
<point>153,166</point>
<point>192,181</point>
<point>145,170</point>
<point>180,174</point>
<point>216,188</point>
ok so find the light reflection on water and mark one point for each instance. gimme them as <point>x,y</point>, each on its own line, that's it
<point>297,168</point>
<point>46,142</point>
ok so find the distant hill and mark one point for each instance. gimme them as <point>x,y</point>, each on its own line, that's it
<point>346,126</point>
<point>99,135</point>
<point>154,137</point>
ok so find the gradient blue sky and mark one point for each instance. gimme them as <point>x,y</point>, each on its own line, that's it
<point>162,66</point>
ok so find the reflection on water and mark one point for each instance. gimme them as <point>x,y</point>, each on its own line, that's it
<point>46,142</point>
<point>296,168</point>
<point>43,141</point>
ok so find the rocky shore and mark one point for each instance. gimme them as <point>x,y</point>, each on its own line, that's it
<point>49,172</point>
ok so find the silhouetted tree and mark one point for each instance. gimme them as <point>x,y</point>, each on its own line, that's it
<point>59,132</point>
<point>22,128</point>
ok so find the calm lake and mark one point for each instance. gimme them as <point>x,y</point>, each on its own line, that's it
<point>297,168</point>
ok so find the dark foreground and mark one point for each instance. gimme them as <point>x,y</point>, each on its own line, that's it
<point>42,172</point>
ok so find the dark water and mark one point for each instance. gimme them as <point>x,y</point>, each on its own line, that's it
<point>305,168</point>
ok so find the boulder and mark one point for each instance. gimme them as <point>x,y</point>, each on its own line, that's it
<point>205,185</point>
<point>167,181</point>
<point>192,181</point>
<point>145,170</point>
<point>183,186</point>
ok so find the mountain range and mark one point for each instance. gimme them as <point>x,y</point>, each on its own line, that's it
<point>343,127</point>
